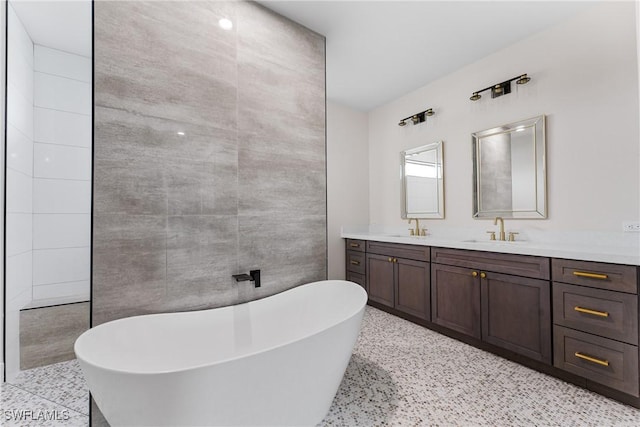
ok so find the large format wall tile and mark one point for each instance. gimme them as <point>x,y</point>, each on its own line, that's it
<point>201,257</point>
<point>129,265</point>
<point>289,250</point>
<point>166,60</point>
<point>272,178</point>
<point>47,334</point>
<point>134,187</point>
<point>277,101</point>
<point>280,41</point>
<point>209,156</point>
<point>134,136</point>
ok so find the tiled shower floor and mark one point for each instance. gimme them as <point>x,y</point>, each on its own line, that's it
<point>400,375</point>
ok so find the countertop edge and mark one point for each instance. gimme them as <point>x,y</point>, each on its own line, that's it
<point>598,254</point>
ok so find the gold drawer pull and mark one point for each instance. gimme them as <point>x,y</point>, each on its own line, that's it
<point>590,275</point>
<point>483,275</point>
<point>355,262</point>
<point>591,359</point>
<point>589,311</point>
<point>355,245</point>
<point>474,273</point>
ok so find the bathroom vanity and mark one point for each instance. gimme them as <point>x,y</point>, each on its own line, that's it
<point>574,319</point>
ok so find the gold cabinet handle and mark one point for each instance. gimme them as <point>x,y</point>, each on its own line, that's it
<point>474,273</point>
<point>390,259</point>
<point>590,275</point>
<point>355,262</point>
<point>395,260</point>
<point>355,245</point>
<point>591,359</point>
<point>589,311</point>
<point>483,275</point>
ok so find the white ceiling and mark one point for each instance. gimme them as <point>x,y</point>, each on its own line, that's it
<point>378,51</point>
<point>63,25</point>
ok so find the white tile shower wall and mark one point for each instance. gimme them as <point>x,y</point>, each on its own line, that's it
<point>61,162</point>
<point>58,292</point>
<point>57,196</point>
<point>19,182</point>
<point>60,93</point>
<point>61,127</point>
<point>19,233</point>
<point>62,175</point>
<point>63,64</point>
<point>60,265</point>
<point>52,231</point>
<point>19,151</point>
<point>19,170</point>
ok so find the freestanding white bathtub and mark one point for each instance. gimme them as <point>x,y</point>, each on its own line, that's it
<point>276,361</point>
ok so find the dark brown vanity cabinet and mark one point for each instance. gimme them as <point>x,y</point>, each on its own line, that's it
<point>455,299</point>
<point>480,294</point>
<point>356,262</point>
<point>398,277</point>
<point>595,312</point>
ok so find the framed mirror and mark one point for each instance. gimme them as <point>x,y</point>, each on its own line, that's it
<point>509,171</point>
<point>422,182</point>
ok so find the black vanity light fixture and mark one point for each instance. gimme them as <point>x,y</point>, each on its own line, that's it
<point>418,117</point>
<point>501,88</point>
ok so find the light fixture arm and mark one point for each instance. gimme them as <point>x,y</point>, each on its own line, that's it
<point>417,117</point>
<point>501,88</point>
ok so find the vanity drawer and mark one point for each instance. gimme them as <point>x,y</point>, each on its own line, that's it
<point>415,252</point>
<point>357,278</point>
<point>518,265</point>
<point>356,245</point>
<point>606,313</point>
<point>355,262</point>
<point>601,360</point>
<point>600,275</point>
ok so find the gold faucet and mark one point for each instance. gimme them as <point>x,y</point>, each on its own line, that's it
<point>415,232</point>
<point>495,222</point>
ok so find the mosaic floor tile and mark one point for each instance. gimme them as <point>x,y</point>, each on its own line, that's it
<point>62,383</point>
<point>21,408</point>
<point>400,374</point>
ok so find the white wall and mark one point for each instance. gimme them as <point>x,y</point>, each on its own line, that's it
<point>347,179</point>
<point>584,78</point>
<point>62,176</point>
<point>19,181</point>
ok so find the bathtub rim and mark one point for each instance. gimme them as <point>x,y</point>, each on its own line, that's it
<point>332,325</point>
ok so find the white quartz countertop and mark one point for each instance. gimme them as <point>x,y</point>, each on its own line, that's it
<point>584,247</point>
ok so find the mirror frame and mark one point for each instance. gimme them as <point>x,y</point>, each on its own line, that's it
<point>437,147</point>
<point>538,124</point>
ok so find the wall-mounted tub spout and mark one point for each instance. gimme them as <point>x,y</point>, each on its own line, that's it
<point>254,276</point>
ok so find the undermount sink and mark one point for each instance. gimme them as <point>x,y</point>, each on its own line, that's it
<point>496,242</point>
<point>406,235</point>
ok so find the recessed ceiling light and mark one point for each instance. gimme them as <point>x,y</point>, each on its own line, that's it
<point>225,24</point>
<point>181,133</point>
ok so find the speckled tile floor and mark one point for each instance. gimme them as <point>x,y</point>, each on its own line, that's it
<point>55,395</point>
<point>400,375</point>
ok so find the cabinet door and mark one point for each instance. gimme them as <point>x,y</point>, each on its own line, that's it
<point>380,279</point>
<point>455,299</point>
<point>516,314</point>
<point>412,288</point>
<point>357,278</point>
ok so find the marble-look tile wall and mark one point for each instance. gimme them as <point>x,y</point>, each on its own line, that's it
<point>209,156</point>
